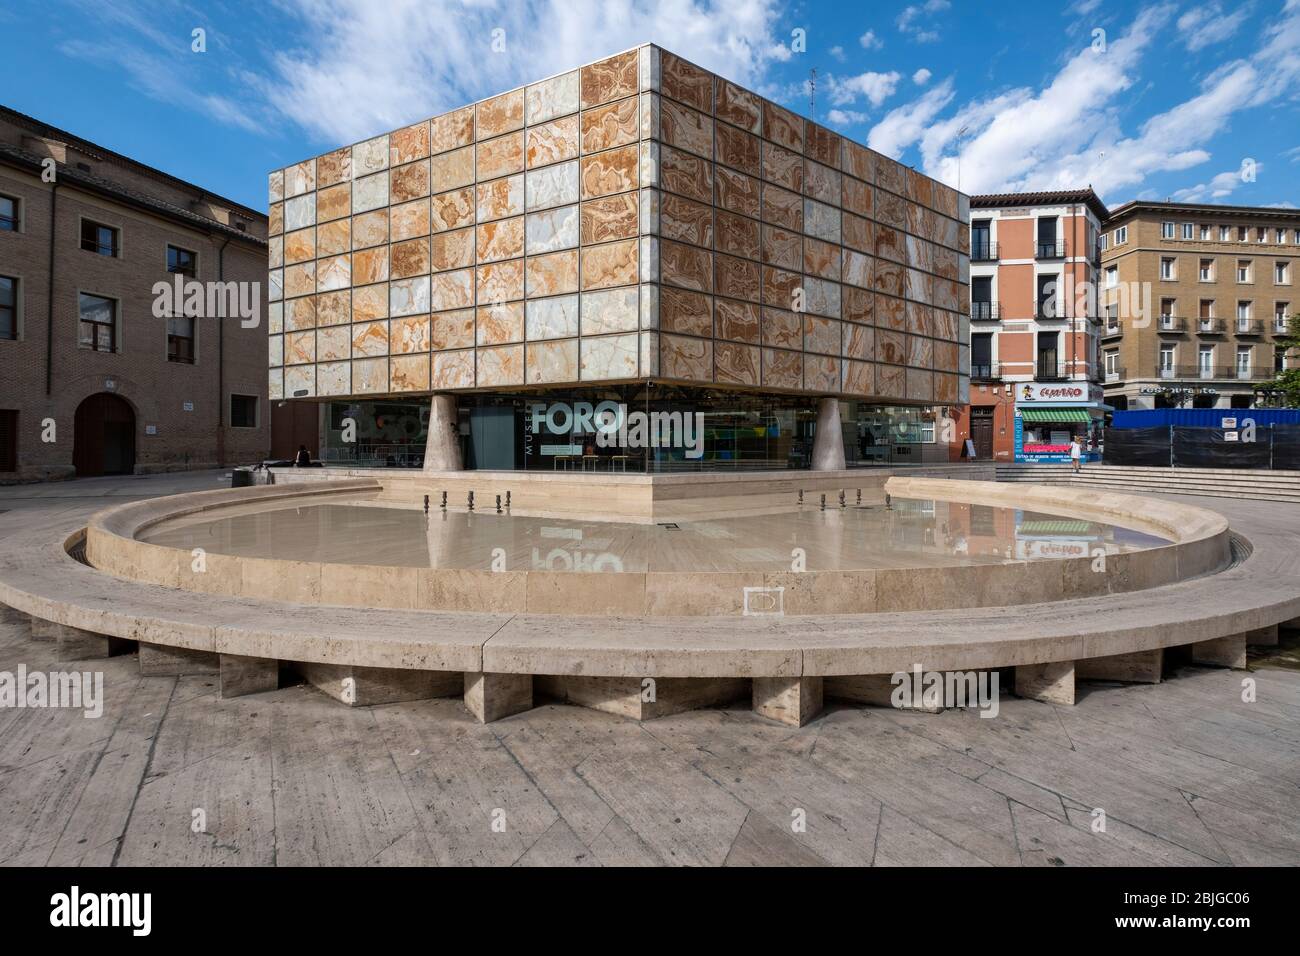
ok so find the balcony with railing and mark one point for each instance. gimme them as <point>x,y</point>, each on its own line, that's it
<point>983,250</point>
<point>984,311</point>
<point>1113,328</point>
<point>1049,369</point>
<point>1280,326</point>
<point>1049,249</point>
<point>1204,373</point>
<point>985,371</point>
<point>1171,323</point>
<point>1114,374</point>
<point>1210,326</point>
<point>1248,327</point>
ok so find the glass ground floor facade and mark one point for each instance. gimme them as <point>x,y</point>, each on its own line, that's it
<point>640,428</point>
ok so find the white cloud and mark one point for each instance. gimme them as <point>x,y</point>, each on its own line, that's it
<point>876,87</point>
<point>870,41</point>
<point>1202,26</point>
<point>1068,133</point>
<point>373,67</point>
<point>921,76</point>
<point>838,53</point>
<point>846,117</point>
<point>904,126</point>
<point>1084,7</point>
<point>917,20</point>
<point>1221,186</point>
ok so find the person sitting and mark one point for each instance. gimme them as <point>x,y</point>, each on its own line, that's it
<point>303,458</point>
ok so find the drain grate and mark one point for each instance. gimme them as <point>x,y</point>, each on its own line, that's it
<point>669,525</point>
<point>78,552</point>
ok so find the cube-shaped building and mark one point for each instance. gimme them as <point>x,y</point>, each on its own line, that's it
<point>637,231</point>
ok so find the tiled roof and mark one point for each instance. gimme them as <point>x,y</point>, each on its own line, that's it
<point>1056,197</point>
<point>71,174</point>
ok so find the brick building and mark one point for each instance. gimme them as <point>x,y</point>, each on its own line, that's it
<point>1196,299</point>
<point>1035,326</point>
<point>92,380</point>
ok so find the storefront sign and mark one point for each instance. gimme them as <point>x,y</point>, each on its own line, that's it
<point>1070,392</point>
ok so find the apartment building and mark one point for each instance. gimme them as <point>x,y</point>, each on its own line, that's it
<point>1034,326</point>
<point>94,378</point>
<point>1196,298</point>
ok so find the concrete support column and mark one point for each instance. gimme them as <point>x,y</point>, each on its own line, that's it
<point>1051,683</point>
<point>790,700</point>
<point>1229,651</point>
<point>1140,667</point>
<point>158,660</point>
<point>828,440</point>
<point>442,447</point>
<point>367,686</point>
<point>43,630</point>
<point>490,697</point>
<point>248,675</point>
<point>74,644</point>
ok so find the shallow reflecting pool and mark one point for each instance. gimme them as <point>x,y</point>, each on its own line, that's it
<point>912,533</point>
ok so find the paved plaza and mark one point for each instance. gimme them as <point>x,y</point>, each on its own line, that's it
<point>1184,771</point>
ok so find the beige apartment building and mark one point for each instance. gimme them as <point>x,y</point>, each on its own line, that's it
<point>94,379</point>
<point>1195,300</point>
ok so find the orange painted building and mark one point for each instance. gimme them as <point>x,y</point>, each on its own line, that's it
<point>1034,320</point>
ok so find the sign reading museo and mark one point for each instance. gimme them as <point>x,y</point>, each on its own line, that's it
<point>616,427</point>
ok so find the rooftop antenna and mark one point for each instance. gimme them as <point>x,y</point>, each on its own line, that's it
<point>960,133</point>
<point>812,91</point>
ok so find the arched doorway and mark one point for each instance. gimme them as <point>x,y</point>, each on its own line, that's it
<point>103,440</point>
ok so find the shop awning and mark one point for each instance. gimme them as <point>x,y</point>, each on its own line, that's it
<point>1055,415</point>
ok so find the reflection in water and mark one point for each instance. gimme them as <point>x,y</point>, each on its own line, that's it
<point>910,533</point>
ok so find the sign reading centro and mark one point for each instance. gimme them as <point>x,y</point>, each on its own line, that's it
<point>1080,392</point>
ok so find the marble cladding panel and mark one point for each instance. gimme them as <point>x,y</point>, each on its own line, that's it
<point>334,378</point>
<point>370,229</point>
<point>500,114</point>
<point>370,375</point>
<point>609,264</point>
<point>502,365</point>
<point>451,369</point>
<point>509,236</point>
<point>609,357</point>
<point>451,130</point>
<point>366,304</point>
<point>451,210</point>
<point>558,96</point>
<point>609,218</point>
<point>609,79</point>
<point>553,318</point>
<point>552,186</point>
<point>503,239</point>
<point>606,127</point>
<point>499,324</point>
<point>609,310</point>
<point>449,290</point>
<point>334,168</point>
<point>547,362</point>
<point>409,220</point>
<point>334,237</point>
<point>408,144</point>
<point>737,364</point>
<point>552,142</point>
<point>300,381</point>
<point>553,274</point>
<point>409,296</point>
<point>409,373</point>
<point>685,358</point>
<point>452,330</point>
<point>410,334</point>
<point>551,230</point>
<point>408,182</point>
<point>369,339</point>
<point>275,384</point>
<point>275,350</point>
<point>334,344</point>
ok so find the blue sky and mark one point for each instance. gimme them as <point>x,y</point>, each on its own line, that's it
<point>1159,100</point>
